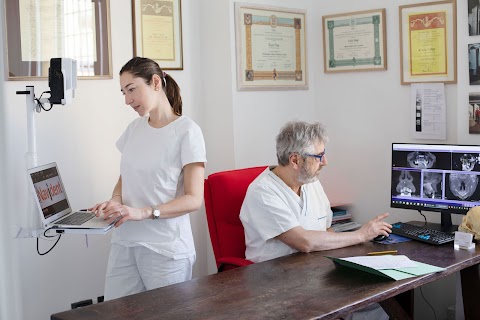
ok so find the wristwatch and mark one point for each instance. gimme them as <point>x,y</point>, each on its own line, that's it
<point>155,212</point>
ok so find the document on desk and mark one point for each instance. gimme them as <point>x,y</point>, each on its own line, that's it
<point>396,267</point>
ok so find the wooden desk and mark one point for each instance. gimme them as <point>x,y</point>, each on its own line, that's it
<point>299,286</point>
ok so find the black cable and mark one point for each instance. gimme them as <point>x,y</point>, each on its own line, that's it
<point>424,218</point>
<point>41,104</point>
<point>45,235</point>
<point>434,313</point>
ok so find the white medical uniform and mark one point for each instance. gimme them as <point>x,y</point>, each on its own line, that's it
<point>271,208</point>
<point>151,253</point>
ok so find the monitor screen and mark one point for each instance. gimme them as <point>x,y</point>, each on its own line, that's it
<point>435,177</point>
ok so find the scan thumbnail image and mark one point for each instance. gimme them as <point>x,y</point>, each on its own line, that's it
<point>466,161</point>
<point>421,160</point>
<point>462,187</point>
<point>406,183</point>
<point>432,183</point>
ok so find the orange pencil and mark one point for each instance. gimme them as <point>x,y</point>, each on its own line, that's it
<point>378,253</point>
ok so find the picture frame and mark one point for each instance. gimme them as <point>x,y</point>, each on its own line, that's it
<point>473,17</point>
<point>157,32</point>
<point>474,113</point>
<point>355,41</point>
<point>473,64</point>
<point>428,43</point>
<point>36,31</point>
<point>270,48</point>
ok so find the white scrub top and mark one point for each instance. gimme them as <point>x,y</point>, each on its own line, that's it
<point>152,173</point>
<point>271,208</point>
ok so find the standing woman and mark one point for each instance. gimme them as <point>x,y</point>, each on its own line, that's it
<point>161,181</point>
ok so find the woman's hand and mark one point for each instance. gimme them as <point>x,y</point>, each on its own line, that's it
<point>114,210</point>
<point>122,213</point>
<point>99,207</point>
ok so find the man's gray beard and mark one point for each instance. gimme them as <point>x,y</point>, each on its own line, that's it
<point>304,177</point>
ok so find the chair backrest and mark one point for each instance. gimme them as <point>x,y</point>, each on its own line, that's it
<point>224,194</point>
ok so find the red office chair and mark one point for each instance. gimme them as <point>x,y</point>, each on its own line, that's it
<point>224,194</point>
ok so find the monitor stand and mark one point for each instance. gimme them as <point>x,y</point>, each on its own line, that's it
<point>444,226</point>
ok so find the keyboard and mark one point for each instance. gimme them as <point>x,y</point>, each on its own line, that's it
<point>77,218</point>
<point>423,234</point>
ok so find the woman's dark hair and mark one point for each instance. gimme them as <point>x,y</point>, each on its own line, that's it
<point>145,68</point>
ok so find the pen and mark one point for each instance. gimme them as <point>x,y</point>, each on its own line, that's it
<point>378,253</point>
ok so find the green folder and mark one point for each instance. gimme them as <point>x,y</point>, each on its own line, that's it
<point>395,274</point>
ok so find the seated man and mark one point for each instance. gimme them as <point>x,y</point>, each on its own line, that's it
<point>286,210</point>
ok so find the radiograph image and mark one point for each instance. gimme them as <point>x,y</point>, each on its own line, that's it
<point>406,183</point>
<point>432,185</point>
<point>462,186</point>
<point>424,180</point>
<point>466,162</point>
<point>421,160</point>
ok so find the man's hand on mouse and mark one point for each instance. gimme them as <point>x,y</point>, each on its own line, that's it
<point>380,237</point>
<point>376,227</point>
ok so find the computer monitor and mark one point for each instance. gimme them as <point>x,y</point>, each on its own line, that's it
<point>435,177</point>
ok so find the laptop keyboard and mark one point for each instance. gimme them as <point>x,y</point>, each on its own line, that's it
<point>77,218</point>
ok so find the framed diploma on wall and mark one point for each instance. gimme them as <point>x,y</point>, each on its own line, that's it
<point>157,32</point>
<point>428,43</point>
<point>270,48</point>
<point>355,41</point>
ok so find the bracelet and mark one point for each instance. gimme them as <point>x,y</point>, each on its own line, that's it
<point>116,195</point>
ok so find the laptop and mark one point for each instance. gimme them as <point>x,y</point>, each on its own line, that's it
<point>54,207</point>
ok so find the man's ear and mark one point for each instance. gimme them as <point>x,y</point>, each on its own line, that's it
<point>294,160</point>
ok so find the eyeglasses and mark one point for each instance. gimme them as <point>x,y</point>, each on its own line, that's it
<point>318,156</point>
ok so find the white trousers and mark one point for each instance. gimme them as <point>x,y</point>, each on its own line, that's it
<point>136,269</point>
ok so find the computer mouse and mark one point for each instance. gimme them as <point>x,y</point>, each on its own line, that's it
<point>380,237</point>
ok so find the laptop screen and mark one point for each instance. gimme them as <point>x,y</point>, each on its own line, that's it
<point>49,190</point>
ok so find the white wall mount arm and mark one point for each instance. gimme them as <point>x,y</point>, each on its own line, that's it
<point>34,226</point>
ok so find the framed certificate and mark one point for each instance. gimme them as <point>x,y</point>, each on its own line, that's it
<point>355,41</point>
<point>428,44</point>
<point>271,48</point>
<point>37,31</point>
<point>157,32</point>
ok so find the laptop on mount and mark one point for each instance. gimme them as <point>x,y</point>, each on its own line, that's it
<point>54,207</point>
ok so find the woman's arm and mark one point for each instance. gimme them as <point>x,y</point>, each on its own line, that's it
<point>117,191</point>
<point>190,201</point>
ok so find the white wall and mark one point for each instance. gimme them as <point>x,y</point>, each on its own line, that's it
<point>9,293</point>
<point>260,114</point>
<point>364,111</point>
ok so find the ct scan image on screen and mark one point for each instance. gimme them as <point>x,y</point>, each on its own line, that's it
<point>442,178</point>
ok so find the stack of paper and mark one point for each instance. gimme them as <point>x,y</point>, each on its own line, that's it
<point>391,266</point>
